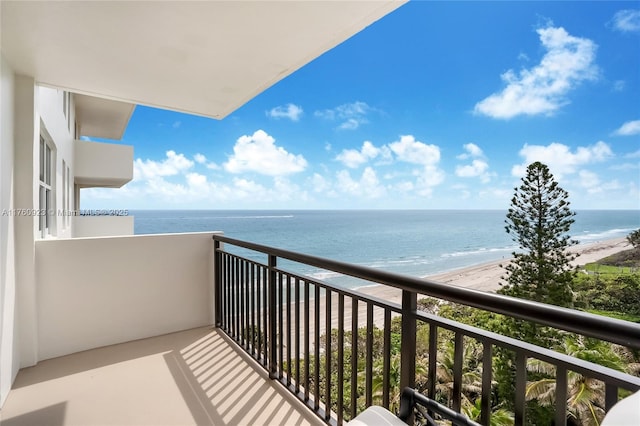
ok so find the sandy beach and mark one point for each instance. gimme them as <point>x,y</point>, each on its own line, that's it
<point>483,277</point>
<point>487,276</point>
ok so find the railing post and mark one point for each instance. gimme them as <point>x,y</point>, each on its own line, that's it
<point>217,283</point>
<point>273,314</point>
<point>408,342</point>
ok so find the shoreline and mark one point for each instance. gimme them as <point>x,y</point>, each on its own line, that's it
<point>487,276</point>
<point>483,277</point>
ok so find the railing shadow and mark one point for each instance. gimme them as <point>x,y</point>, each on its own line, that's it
<point>222,385</point>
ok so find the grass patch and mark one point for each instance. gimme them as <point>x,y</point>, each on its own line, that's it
<point>598,268</point>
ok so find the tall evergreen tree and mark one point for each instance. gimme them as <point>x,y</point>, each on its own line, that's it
<point>539,220</point>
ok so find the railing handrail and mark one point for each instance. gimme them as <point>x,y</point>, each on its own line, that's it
<point>621,332</point>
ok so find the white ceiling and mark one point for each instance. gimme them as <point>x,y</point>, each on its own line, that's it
<point>201,57</point>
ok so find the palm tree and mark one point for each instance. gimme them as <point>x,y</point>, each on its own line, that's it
<point>394,380</point>
<point>499,416</point>
<point>471,371</point>
<point>585,395</point>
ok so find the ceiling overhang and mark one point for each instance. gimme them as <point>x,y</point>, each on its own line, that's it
<point>102,118</point>
<point>200,57</point>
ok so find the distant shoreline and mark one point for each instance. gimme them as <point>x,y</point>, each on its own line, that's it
<point>487,276</point>
<point>484,277</point>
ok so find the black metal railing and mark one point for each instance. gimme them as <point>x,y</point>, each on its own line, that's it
<point>322,341</point>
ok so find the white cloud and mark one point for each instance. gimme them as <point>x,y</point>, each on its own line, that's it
<point>176,124</point>
<point>412,151</point>
<point>473,151</point>
<point>285,190</point>
<point>629,128</point>
<point>196,179</point>
<point>478,167</point>
<point>290,111</point>
<point>201,159</point>
<point>258,153</point>
<point>351,115</point>
<point>170,166</point>
<point>542,89</point>
<point>627,20</point>
<point>319,183</point>
<point>619,85</point>
<point>368,186</point>
<point>404,186</point>
<point>351,124</point>
<point>589,181</point>
<point>245,188</point>
<point>559,158</point>
<point>427,179</point>
<point>171,183</point>
<point>354,158</point>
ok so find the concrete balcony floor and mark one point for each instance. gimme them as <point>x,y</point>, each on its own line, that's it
<point>194,377</point>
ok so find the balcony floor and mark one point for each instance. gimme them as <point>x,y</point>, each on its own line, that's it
<point>195,377</point>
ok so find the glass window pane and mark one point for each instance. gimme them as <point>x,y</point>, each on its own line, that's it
<point>48,166</point>
<point>41,219</point>
<point>48,207</point>
<point>41,159</point>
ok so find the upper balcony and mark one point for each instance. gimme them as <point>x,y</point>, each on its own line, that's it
<point>270,358</point>
<point>100,164</point>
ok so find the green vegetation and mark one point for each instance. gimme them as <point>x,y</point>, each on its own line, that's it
<point>634,238</point>
<point>614,295</point>
<point>539,220</point>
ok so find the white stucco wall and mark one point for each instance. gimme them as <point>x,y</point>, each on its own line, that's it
<point>26,127</point>
<point>102,226</point>
<point>9,353</point>
<point>60,129</point>
<point>94,292</point>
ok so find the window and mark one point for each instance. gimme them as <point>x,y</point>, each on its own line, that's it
<point>65,104</point>
<point>45,209</point>
<point>67,190</point>
<point>65,194</point>
<point>66,108</point>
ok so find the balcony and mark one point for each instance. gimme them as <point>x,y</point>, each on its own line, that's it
<point>269,358</point>
<point>195,377</point>
<point>98,164</point>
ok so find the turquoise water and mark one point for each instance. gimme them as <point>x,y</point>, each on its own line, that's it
<point>413,242</point>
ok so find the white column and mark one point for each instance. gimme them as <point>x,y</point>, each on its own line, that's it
<point>26,175</point>
<point>9,359</point>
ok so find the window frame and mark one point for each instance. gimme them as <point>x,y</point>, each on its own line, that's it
<point>46,197</point>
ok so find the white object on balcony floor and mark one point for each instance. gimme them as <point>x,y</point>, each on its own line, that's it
<point>625,413</point>
<point>376,416</point>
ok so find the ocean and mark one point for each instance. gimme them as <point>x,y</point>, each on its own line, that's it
<point>412,242</point>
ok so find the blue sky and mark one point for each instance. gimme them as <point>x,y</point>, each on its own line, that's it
<point>439,105</point>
